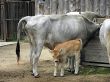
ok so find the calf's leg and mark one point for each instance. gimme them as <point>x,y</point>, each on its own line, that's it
<point>68,64</point>
<point>62,69</point>
<point>72,64</point>
<point>55,69</point>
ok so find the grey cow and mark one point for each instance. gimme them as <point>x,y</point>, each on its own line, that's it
<point>49,30</point>
<point>104,35</point>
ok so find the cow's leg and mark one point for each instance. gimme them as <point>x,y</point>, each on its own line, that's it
<point>31,52</point>
<point>30,37</point>
<point>37,52</point>
<point>55,69</point>
<point>77,62</point>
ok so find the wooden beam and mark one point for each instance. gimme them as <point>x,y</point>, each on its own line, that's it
<point>96,64</point>
<point>3,23</point>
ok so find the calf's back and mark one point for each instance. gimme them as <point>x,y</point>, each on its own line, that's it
<point>71,46</point>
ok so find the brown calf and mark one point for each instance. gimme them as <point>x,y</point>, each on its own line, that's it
<point>63,50</point>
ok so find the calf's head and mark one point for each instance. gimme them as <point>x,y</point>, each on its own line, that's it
<point>57,55</point>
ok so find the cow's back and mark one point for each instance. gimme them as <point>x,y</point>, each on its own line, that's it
<point>64,28</point>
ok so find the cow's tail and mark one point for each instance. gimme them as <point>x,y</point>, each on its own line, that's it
<point>21,23</point>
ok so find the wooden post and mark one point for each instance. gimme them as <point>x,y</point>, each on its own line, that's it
<point>47,6</point>
<point>66,6</point>
<point>97,6</point>
<point>89,5</point>
<point>60,6</point>
<point>39,7</point>
<point>36,7</point>
<point>11,14</point>
<point>82,5</point>
<point>3,23</point>
<point>54,5</point>
<point>72,5</point>
<point>78,9</point>
<point>108,7</point>
<point>103,7</point>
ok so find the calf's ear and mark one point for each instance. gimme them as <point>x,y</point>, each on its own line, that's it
<point>51,51</point>
<point>61,50</point>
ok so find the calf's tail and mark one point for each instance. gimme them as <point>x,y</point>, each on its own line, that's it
<point>81,46</point>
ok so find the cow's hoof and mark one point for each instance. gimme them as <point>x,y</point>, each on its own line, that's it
<point>55,75</point>
<point>76,73</point>
<point>32,74</point>
<point>61,75</point>
<point>72,71</point>
<point>68,69</point>
<point>37,76</point>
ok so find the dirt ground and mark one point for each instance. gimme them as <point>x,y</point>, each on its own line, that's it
<point>11,72</point>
